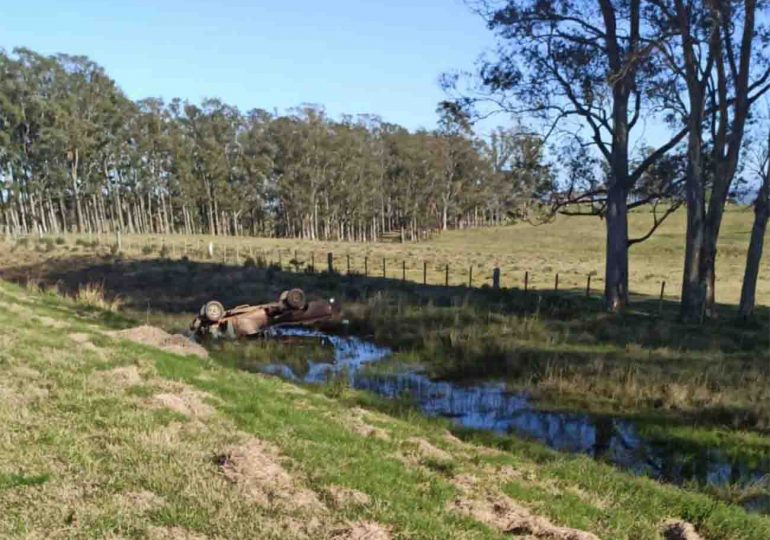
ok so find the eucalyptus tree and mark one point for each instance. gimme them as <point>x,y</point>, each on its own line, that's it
<point>761,166</point>
<point>590,65</point>
<point>719,67</point>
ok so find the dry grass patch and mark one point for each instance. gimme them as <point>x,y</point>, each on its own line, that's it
<point>255,467</point>
<point>140,502</point>
<point>342,497</point>
<point>174,533</point>
<point>122,377</point>
<point>362,530</point>
<point>503,514</point>
<point>355,421</point>
<point>155,337</point>
<point>426,451</point>
<point>187,402</point>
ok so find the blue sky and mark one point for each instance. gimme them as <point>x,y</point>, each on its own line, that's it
<point>351,56</point>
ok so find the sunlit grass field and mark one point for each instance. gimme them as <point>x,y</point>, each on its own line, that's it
<point>572,247</point>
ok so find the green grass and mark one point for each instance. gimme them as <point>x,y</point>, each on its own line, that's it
<point>91,445</point>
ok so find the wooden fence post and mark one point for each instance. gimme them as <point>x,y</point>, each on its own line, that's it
<point>446,276</point>
<point>556,282</point>
<point>424,273</point>
<point>403,270</point>
<point>526,281</point>
<point>330,262</point>
<point>211,250</point>
<point>347,256</point>
<point>383,267</point>
<point>312,260</point>
<point>588,287</point>
<point>470,276</point>
<point>660,300</point>
<point>496,278</point>
<point>118,241</point>
<point>366,265</point>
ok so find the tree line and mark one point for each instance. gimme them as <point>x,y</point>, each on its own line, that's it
<point>77,155</point>
<point>597,75</point>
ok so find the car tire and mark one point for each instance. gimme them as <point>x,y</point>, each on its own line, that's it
<point>213,311</point>
<point>294,298</point>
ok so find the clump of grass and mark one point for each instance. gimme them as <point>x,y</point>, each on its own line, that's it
<point>93,295</point>
<point>86,243</point>
<point>60,241</point>
<point>148,249</point>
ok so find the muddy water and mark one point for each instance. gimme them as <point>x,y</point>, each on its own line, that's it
<point>490,407</point>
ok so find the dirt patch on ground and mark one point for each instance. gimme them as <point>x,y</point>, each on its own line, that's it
<point>122,377</point>
<point>675,529</point>
<point>341,497</point>
<point>503,514</point>
<point>362,530</point>
<point>187,402</point>
<point>256,469</point>
<point>155,337</point>
<point>425,450</point>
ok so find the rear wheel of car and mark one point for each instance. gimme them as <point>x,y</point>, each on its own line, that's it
<point>295,298</point>
<point>214,310</point>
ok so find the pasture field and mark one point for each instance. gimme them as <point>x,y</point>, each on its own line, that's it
<point>572,246</point>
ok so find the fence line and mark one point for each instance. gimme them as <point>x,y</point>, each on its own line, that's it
<point>410,271</point>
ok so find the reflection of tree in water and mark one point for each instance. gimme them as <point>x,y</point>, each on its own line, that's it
<point>604,429</point>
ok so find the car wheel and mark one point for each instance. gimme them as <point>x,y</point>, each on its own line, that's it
<point>214,310</point>
<point>295,298</point>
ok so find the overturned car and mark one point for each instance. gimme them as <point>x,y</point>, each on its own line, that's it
<point>292,308</point>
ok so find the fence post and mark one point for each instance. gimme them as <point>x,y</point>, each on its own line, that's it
<point>660,300</point>
<point>383,267</point>
<point>224,254</point>
<point>470,276</point>
<point>330,262</point>
<point>312,260</point>
<point>496,278</point>
<point>588,286</point>
<point>403,270</point>
<point>424,273</point>
<point>347,256</point>
<point>556,282</point>
<point>118,241</point>
<point>366,265</point>
<point>526,281</point>
<point>211,250</point>
<point>446,276</point>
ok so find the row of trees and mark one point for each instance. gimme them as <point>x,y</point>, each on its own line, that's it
<point>599,74</point>
<point>77,155</point>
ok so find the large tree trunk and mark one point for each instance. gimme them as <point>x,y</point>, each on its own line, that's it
<point>754,256</point>
<point>616,268</point>
<point>693,285</point>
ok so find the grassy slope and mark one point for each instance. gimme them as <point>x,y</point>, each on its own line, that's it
<point>90,445</point>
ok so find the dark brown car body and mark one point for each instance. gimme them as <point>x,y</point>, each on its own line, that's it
<point>246,320</point>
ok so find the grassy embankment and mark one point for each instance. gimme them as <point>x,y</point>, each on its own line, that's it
<point>120,441</point>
